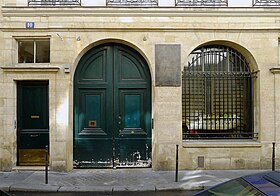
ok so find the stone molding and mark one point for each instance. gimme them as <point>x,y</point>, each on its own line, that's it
<point>30,69</point>
<point>141,19</point>
<point>18,11</point>
<point>275,70</point>
<point>221,144</point>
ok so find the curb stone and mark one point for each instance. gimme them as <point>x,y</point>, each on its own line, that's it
<point>134,188</point>
<point>93,188</point>
<point>27,187</point>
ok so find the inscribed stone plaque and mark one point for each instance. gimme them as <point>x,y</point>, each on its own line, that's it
<point>168,64</point>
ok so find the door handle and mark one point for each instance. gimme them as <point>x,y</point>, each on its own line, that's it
<point>120,122</point>
<point>120,119</point>
<point>34,136</point>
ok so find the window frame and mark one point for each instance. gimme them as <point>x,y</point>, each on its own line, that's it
<point>34,40</point>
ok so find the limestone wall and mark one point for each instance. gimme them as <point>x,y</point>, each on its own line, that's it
<point>72,32</point>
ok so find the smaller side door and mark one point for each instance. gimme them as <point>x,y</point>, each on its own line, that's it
<point>33,122</point>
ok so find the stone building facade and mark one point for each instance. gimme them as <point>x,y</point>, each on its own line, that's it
<point>137,54</point>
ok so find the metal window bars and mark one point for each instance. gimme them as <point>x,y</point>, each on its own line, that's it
<point>139,3</point>
<point>266,3</point>
<point>201,3</point>
<point>54,2</point>
<point>217,95</point>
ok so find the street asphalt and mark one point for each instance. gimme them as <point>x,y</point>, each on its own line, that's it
<point>115,180</point>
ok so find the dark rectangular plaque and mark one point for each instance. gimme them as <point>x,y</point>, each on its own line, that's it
<point>168,64</point>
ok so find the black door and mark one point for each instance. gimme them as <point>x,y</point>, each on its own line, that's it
<point>112,110</point>
<point>33,122</point>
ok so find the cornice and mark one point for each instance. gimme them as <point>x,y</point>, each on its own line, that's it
<point>20,11</point>
<point>140,19</point>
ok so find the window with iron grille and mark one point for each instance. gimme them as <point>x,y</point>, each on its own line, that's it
<point>217,95</point>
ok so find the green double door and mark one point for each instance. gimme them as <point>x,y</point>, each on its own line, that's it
<point>112,109</point>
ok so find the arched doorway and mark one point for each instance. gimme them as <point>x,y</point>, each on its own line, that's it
<point>112,108</point>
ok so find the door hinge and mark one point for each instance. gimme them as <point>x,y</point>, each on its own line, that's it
<point>152,123</point>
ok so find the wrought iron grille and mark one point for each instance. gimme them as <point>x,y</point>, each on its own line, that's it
<point>132,2</point>
<point>202,3</point>
<point>54,2</point>
<point>263,3</point>
<point>217,95</point>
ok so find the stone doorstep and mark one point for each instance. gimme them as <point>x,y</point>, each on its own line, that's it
<point>29,168</point>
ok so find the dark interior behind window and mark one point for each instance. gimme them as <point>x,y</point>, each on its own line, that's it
<point>34,51</point>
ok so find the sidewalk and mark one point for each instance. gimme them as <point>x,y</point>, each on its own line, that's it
<point>115,180</point>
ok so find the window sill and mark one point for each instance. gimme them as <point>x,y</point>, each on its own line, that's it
<point>37,68</point>
<point>221,144</point>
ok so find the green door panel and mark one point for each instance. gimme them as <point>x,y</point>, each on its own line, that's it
<point>132,111</point>
<point>134,152</point>
<point>112,110</point>
<point>93,152</point>
<point>92,114</point>
<point>94,70</point>
<point>93,67</point>
<point>32,121</point>
<point>33,110</point>
<point>34,140</point>
<point>129,70</point>
<point>134,114</point>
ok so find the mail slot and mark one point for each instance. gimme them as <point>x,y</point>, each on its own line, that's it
<point>33,140</point>
<point>92,123</point>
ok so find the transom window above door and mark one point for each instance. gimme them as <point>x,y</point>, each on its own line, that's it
<point>34,51</point>
<point>217,95</point>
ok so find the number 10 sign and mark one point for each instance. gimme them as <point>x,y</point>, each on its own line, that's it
<point>29,25</point>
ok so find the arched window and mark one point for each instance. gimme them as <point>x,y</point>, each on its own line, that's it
<point>217,95</point>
